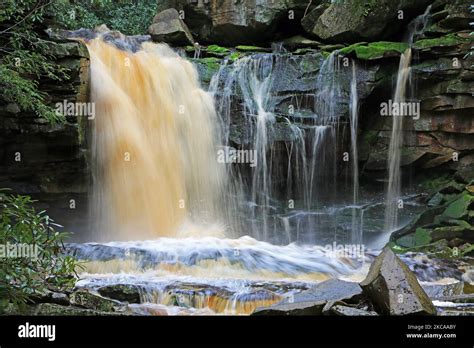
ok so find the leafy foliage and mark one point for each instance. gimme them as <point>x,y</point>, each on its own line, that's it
<point>25,57</point>
<point>22,277</point>
<point>130,17</point>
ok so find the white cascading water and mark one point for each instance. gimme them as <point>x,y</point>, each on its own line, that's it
<point>393,195</point>
<point>353,118</point>
<point>309,149</point>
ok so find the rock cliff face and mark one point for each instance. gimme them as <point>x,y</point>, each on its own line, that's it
<point>443,136</point>
<point>49,162</point>
<point>231,22</point>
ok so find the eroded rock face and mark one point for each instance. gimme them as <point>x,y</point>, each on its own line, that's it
<point>168,27</point>
<point>53,168</point>
<point>394,289</point>
<point>230,22</point>
<point>354,21</point>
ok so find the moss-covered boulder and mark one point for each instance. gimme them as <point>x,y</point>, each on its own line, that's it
<point>450,44</point>
<point>457,209</point>
<point>448,218</point>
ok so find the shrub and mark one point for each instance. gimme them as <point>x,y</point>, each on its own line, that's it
<point>23,277</point>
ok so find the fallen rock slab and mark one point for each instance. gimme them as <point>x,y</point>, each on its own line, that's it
<point>394,289</point>
<point>313,300</point>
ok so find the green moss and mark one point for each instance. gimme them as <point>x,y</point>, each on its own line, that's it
<point>432,183</point>
<point>351,48</point>
<point>331,48</point>
<point>251,48</point>
<point>420,238</point>
<point>235,55</point>
<point>212,63</point>
<point>218,50</point>
<point>325,54</point>
<point>375,50</point>
<point>207,67</point>
<point>446,40</point>
<point>459,207</point>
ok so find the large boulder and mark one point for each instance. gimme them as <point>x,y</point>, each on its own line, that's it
<point>394,289</point>
<point>313,300</point>
<point>230,22</point>
<point>168,27</point>
<point>353,21</point>
<point>121,292</point>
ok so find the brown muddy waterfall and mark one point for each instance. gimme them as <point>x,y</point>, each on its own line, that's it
<point>153,143</point>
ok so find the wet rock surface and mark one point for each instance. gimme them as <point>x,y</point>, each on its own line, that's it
<point>313,300</point>
<point>394,289</point>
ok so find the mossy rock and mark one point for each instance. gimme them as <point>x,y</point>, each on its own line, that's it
<point>449,40</point>
<point>68,49</point>
<point>453,232</point>
<point>375,50</point>
<point>217,50</point>
<point>436,200</point>
<point>207,67</point>
<point>459,208</point>
<point>330,48</point>
<point>121,292</point>
<point>236,55</point>
<point>89,300</point>
<point>432,183</point>
<point>421,237</point>
<point>452,187</point>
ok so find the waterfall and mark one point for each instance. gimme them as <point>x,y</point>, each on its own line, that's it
<point>354,113</point>
<point>307,160</point>
<point>154,143</point>
<point>393,194</point>
<point>396,142</point>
